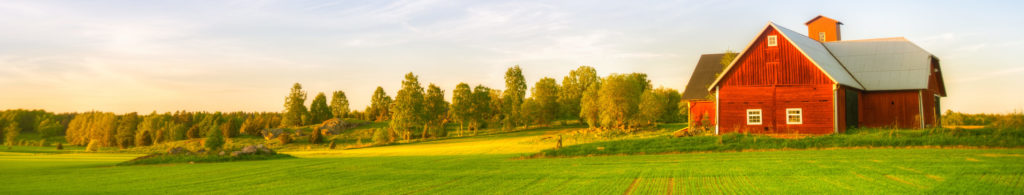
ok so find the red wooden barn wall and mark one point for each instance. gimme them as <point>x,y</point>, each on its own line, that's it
<point>934,88</point>
<point>901,108</point>
<point>699,108</point>
<point>890,109</point>
<point>773,79</point>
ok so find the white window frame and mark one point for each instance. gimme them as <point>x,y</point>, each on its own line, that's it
<point>759,115</point>
<point>773,40</point>
<point>821,36</point>
<point>799,115</point>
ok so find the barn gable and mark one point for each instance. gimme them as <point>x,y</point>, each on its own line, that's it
<point>813,50</point>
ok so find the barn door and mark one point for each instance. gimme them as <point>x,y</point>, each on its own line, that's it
<point>851,108</point>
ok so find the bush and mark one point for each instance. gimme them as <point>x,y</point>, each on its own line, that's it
<point>60,146</point>
<point>315,137</point>
<point>381,136</point>
<point>143,139</point>
<point>214,140</point>
<point>285,138</point>
<point>94,145</point>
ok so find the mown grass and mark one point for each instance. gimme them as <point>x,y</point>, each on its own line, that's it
<point>986,137</point>
<point>490,165</point>
<point>848,171</point>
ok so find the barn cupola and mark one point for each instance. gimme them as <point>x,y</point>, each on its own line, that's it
<point>824,29</point>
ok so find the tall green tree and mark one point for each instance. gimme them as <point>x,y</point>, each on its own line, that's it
<point>590,106</point>
<point>407,111</point>
<point>380,105</point>
<point>481,107</point>
<point>545,93</point>
<point>129,123</point>
<point>672,100</point>
<point>11,132</point>
<point>295,113</point>
<point>531,112</point>
<point>652,107</point>
<point>573,87</point>
<point>214,138</point>
<point>435,109</point>
<point>50,127</point>
<point>462,104</point>
<point>620,99</point>
<point>515,93</point>
<point>339,104</point>
<point>318,110</point>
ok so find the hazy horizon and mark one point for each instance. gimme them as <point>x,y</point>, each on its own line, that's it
<point>132,56</point>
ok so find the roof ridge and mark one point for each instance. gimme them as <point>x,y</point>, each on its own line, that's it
<point>876,39</point>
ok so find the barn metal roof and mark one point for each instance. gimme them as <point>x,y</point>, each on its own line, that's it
<point>884,64</point>
<point>870,65</point>
<point>708,66</point>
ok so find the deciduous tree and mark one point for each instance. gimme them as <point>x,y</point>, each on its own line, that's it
<point>339,104</point>
<point>126,130</point>
<point>319,111</point>
<point>462,104</point>
<point>545,95</point>
<point>380,105</point>
<point>515,93</point>
<point>574,85</point>
<point>434,110</point>
<point>407,111</point>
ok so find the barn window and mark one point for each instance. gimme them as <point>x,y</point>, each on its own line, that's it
<point>753,116</point>
<point>794,116</point>
<point>773,40</point>
<point>821,36</point>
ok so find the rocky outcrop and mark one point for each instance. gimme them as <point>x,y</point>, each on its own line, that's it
<point>335,126</point>
<point>271,133</point>
<point>254,150</point>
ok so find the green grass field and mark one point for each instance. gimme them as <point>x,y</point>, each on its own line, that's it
<point>491,164</point>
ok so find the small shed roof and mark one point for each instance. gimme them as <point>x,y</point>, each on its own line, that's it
<point>884,64</point>
<point>708,66</point>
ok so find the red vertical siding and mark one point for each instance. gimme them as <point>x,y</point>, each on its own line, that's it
<point>773,79</point>
<point>699,109</point>
<point>890,109</point>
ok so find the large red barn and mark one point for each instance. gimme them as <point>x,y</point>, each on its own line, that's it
<point>787,82</point>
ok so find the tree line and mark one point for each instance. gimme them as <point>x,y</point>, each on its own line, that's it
<point>617,101</point>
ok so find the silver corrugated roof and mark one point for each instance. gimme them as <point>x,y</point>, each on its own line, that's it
<point>820,56</point>
<point>884,64</point>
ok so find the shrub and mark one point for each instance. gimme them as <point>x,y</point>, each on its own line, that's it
<point>93,146</point>
<point>382,136</point>
<point>214,140</point>
<point>193,132</point>
<point>11,132</point>
<point>315,137</point>
<point>60,146</point>
<point>285,138</point>
<point>143,139</point>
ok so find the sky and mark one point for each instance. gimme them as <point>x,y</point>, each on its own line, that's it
<point>145,56</point>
